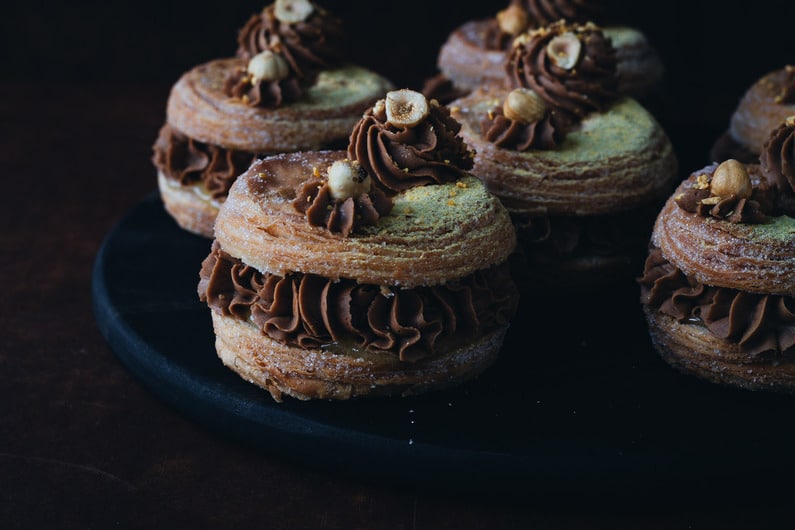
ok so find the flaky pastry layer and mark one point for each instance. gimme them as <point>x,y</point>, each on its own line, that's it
<point>343,373</point>
<point>463,59</point>
<point>433,234</point>
<point>692,349</point>
<point>199,107</point>
<point>758,112</point>
<point>758,258</point>
<point>616,161</point>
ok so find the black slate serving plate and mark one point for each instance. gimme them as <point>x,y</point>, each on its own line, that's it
<point>577,404</point>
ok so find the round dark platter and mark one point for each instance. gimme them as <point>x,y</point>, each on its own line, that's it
<point>577,404</point>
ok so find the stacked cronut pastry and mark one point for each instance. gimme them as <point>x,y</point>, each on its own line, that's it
<point>380,270</point>
<point>582,169</point>
<point>765,104</point>
<point>473,54</point>
<point>719,283</point>
<point>288,88</point>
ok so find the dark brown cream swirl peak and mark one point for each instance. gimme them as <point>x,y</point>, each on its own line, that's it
<point>698,198</point>
<point>571,66</point>
<point>778,157</point>
<point>402,157</point>
<point>545,12</point>
<point>309,45</point>
<point>761,324</point>
<point>516,134</point>
<point>189,161</point>
<point>260,92</point>
<point>340,215</point>
<point>312,312</point>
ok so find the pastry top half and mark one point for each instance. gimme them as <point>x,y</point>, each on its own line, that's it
<point>474,53</point>
<point>199,107</point>
<point>762,108</point>
<point>739,240</point>
<point>559,138</point>
<point>432,234</point>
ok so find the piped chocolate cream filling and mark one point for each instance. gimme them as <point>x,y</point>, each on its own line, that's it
<point>188,162</point>
<point>310,311</point>
<point>760,324</point>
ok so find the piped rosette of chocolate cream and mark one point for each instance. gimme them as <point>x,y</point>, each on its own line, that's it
<point>718,287</point>
<point>290,87</point>
<point>581,168</point>
<point>379,270</point>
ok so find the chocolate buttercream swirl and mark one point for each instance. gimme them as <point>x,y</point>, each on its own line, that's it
<point>787,93</point>
<point>760,324</point>
<point>342,216</point>
<point>778,157</point>
<point>589,85</point>
<point>545,12</point>
<point>396,158</point>
<point>309,46</point>
<point>505,132</point>
<point>310,311</point>
<point>262,93</point>
<point>698,199</point>
<point>189,161</point>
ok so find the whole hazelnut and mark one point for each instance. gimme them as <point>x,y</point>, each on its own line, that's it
<point>513,20</point>
<point>564,50</point>
<point>268,66</point>
<point>731,178</point>
<point>524,105</point>
<point>346,178</point>
<point>292,11</point>
<point>406,108</point>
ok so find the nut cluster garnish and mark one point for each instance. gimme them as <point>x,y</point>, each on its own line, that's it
<point>268,66</point>
<point>564,50</point>
<point>293,11</point>
<point>513,20</point>
<point>524,105</point>
<point>731,178</point>
<point>406,108</point>
<point>346,178</point>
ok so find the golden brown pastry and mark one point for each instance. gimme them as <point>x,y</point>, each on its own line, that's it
<point>762,108</point>
<point>377,271</point>
<point>718,286</point>
<point>473,54</point>
<point>288,89</point>
<point>581,169</point>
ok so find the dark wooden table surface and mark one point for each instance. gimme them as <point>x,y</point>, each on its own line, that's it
<point>84,445</point>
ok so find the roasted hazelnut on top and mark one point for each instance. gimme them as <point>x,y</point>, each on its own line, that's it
<point>268,66</point>
<point>524,105</point>
<point>292,11</point>
<point>564,50</point>
<point>406,108</point>
<point>731,178</point>
<point>513,20</point>
<point>346,178</point>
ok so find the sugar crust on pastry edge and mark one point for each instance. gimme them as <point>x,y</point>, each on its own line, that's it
<point>198,106</point>
<point>434,233</point>
<point>692,349</point>
<point>618,160</point>
<point>317,374</point>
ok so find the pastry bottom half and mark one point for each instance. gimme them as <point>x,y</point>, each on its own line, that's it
<point>692,349</point>
<point>341,372</point>
<point>191,210</point>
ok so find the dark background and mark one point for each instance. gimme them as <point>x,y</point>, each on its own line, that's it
<point>712,51</point>
<point>83,444</point>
